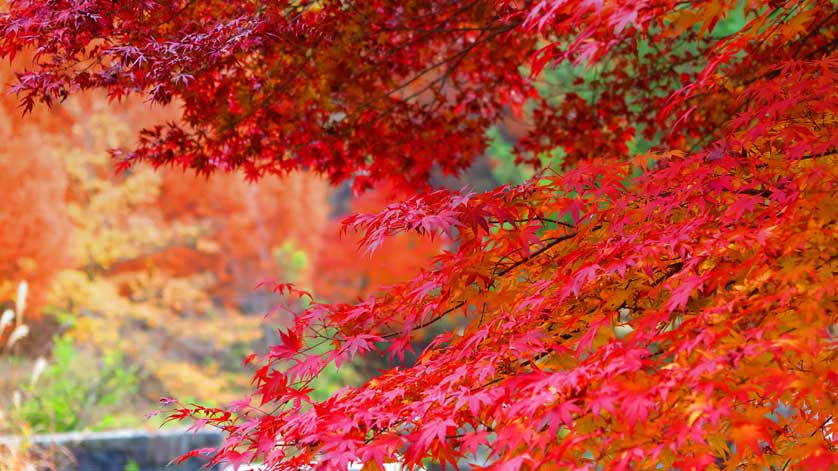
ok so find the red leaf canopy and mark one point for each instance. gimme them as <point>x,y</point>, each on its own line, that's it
<point>671,309</point>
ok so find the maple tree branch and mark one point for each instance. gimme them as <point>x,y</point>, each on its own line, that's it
<point>821,426</point>
<point>433,320</point>
<point>501,273</point>
<point>812,31</point>
<point>538,252</point>
<point>453,60</point>
<point>534,218</point>
<point>827,153</point>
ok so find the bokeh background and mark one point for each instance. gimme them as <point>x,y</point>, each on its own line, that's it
<point>119,288</point>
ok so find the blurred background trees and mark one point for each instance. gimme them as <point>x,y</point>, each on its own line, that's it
<point>145,283</point>
<point>152,276</point>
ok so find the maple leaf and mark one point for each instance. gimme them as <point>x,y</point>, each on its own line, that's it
<point>472,441</point>
<point>743,204</point>
<point>682,293</point>
<point>750,435</point>
<point>194,453</point>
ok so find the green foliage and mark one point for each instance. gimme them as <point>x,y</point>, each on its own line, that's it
<point>292,259</point>
<point>77,390</point>
<point>586,81</point>
<point>502,153</point>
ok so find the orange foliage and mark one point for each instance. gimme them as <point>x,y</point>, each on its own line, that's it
<point>157,252</point>
<point>32,216</point>
<point>344,272</point>
<point>143,255</point>
<point>245,223</point>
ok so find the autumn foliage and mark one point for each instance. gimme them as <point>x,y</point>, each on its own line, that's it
<point>345,275</point>
<point>247,223</point>
<point>122,264</point>
<point>34,226</point>
<point>154,252</point>
<point>669,308</point>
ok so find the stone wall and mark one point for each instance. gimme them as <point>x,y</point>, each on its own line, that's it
<point>120,450</point>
